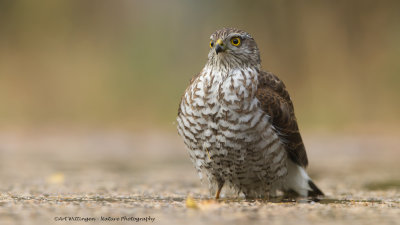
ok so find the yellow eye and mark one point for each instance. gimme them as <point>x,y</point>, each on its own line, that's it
<point>235,41</point>
<point>211,44</point>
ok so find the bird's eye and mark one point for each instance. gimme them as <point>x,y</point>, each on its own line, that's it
<point>235,41</point>
<point>211,44</point>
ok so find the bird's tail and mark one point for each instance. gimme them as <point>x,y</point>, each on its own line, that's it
<point>299,183</point>
<point>315,191</point>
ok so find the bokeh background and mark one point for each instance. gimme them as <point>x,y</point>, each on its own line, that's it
<point>126,63</point>
<point>89,92</point>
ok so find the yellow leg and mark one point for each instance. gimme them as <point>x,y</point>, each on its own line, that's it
<point>218,192</point>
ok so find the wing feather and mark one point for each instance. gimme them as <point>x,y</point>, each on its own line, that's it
<point>276,102</point>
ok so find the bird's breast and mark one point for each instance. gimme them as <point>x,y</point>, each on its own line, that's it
<point>221,106</point>
<point>225,129</point>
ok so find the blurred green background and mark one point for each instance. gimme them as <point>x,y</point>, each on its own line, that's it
<point>125,64</point>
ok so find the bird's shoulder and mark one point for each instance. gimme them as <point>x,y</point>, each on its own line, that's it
<point>275,101</point>
<point>269,82</point>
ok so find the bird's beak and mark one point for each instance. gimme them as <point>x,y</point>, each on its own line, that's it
<point>220,46</point>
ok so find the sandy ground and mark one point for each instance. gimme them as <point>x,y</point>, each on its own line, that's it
<point>58,177</point>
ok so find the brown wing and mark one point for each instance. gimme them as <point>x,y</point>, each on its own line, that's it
<point>275,101</point>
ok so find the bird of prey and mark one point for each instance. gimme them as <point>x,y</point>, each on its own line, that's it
<point>239,126</point>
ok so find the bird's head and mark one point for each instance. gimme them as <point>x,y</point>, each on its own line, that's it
<point>233,48</point>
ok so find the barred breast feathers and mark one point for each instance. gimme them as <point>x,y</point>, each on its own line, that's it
<point>220,108</point>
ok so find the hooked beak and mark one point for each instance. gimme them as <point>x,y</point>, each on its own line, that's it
<point>220,46</point>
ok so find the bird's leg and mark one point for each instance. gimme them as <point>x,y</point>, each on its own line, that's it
<point>208,153</point>
<point>220,185</point>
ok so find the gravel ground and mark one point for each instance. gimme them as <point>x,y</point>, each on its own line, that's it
<point>58,177</point>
